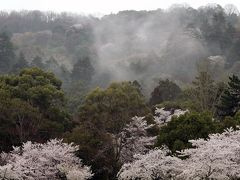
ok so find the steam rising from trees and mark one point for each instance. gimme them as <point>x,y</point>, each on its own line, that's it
<point>129,45</point>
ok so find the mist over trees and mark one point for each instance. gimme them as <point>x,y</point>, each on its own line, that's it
<point>129,45</point>
<point>132,95</point>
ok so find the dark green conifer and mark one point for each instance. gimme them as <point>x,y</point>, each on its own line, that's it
<point>230,100</point>
<point>7,55</point>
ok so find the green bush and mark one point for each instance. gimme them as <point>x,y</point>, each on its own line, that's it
<point>180,130</point>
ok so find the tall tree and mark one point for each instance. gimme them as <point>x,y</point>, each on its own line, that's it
<point>230,100</point>
<point>83,70</point>
<point>203,89</point>
<point>102,117</point>
<point>42,90</point>
<point>205,93</point>
<point>7,55</point>
<point>19,122</point>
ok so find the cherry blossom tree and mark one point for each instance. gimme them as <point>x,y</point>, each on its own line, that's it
<point>163,116</point>
<point>153,165</point>
<point>51,160</point>
<point>215,158</point>
<point>135,139</point>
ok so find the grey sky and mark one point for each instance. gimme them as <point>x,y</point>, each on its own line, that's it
<point>103,6</point>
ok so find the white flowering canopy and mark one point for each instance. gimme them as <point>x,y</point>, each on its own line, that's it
<point>135,139</point>
<point>163,116</point>
<point>51,160</point>
<point>215,158</point>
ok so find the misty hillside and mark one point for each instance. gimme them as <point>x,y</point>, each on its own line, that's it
<point>130,45</point>
<point>136,95</point>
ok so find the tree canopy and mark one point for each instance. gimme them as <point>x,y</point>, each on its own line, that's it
<point>32,107</point>
<point>165,91</point>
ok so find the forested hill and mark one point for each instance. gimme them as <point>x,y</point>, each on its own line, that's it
<point>134,95</point>
<point>129,45</point>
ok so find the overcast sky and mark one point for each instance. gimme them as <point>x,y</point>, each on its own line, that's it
<point>103,6</point>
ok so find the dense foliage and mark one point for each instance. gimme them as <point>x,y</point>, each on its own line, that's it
<point>165,91</point>
<point>32,107</point>
<point>230,100</point>
<point>7,56</point>
<point>102,117</point>
<point>179,131</point>
<point>118,86</point>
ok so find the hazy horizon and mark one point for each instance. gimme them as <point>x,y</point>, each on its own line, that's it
<point>104,7</point>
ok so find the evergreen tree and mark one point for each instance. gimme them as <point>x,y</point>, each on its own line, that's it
<point>177,133</point>
<point>230,100</point>
<point>165,91</point>
<point>83,70</point>
<point>6,53</point>
<point>42,90</point>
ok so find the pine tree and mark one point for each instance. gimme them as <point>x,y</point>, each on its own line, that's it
<point>230,100</point>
